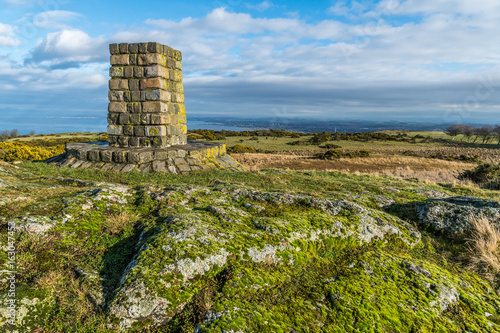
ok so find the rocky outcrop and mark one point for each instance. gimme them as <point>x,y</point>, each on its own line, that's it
<point>453,215</point>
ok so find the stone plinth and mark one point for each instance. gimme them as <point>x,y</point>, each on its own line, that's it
<point>181,159</point>
<point>146,96</point>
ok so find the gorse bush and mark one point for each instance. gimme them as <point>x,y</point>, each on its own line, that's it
<point>487,174</point>
<point>336,154</point>
<point>240,149</point>
<point>16,151</point>
<point>39,149</point>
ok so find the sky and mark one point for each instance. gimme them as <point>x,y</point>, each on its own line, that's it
<point>425,60</point>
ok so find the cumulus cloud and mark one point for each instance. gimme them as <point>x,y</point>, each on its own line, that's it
<point>7,35</point>
<point>68,46</point>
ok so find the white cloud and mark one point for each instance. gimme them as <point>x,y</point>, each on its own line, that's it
<point>55,19</point>
<point>263,6</point>
<point>67,46</point>
<point>9,41</point>
<point>374,64</point>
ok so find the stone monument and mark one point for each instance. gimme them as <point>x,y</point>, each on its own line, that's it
<point>146,119</point>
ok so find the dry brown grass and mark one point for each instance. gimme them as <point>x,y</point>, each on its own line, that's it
<point>392,165</point>
<point>484,249</point>
<point>115,223</point>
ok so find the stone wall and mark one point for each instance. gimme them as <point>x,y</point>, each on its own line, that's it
<point>146,96</point>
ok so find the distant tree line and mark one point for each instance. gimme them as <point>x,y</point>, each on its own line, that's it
<point>486,133</point>
<point>14,133</point>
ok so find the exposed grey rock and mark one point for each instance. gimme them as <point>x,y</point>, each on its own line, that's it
<point>453,215</point>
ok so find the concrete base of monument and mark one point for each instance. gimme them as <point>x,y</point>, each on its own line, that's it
<point>184,159</point>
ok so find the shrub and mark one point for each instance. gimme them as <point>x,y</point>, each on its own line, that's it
<point>319,138</point>
<point>15,151</point>
<point>483,174</point>
<point>336,154</point>
<point>240,149</point>
<point>330,146</point>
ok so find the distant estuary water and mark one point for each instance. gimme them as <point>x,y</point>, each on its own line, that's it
<point>46,125</point>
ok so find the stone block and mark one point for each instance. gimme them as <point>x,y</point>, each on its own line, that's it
<point>128,72</point>
<point>133,84</point>
<point>155,131</point>
<point>107,156</point>
<point>178,65</point>
<point>123,48</point>
<point>118,84</point>
<point>154,107</point>
<point>133,48</point>
<point>160,155</point>
<point>116,71</point>
<point>181,153</point>
<point>113,118</point>
<point>123,141</point>
<point>179,161</point>
<point>184,168</point>
<point>132,59</point>
<point>114,48</point>
<point>128,130</point>
<point>119,59</point>
<point>158,95</point>
<point>129,168</point>
<point>179,88</point>
<point>151,59</point>
<point>145,118</point>
<point>117,107</point>
<point>124,119</point>
<point>107,166</point>
<point>118,167</point>
<point>85,165</point>
<point>178,98</point>
<point>115,96</point>
<point>143,47</point>
<point>171,63</point>
<point>135,119</point>
<point>115,130</point>
<point>145,168</point>
<point>138,72</point>
<point>156,71</point>
<point>160,141</point>
<point>127,97</point>
<point>155,48</point>
<point>139,157</point>
<point>178,76</point>
<point>133,142</point>
<point>159,166</point>
<point>94,155</point>
<point>160,119</point>
<point>139,131</point>
<point>154,83</point>
<point>112,139</point>
<point>172,169</point>
<point>136,96</point>
<point>82,154</point>
<point>144,142</point>
<point>77,164</point>
<point>119,156</point>
<point>133,107</point>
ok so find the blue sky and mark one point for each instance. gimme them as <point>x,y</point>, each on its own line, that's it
<point>435,60</point>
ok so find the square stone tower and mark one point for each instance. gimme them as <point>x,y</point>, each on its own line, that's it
<point>146,96</point>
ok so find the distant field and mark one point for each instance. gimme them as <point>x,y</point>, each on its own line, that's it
<point>432,156</point>
<point>53,136</point>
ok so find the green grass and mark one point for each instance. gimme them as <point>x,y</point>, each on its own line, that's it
<point>316,182</point>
